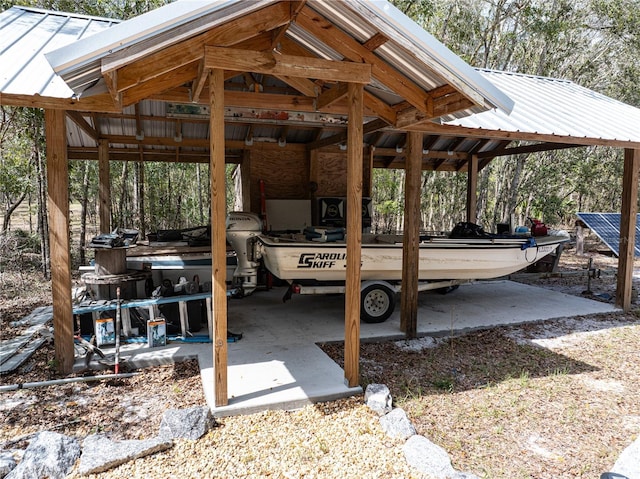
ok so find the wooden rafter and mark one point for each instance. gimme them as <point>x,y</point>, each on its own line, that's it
<point>356,52</point>
<point>201,80</point>
<point>110,79</point>
<point>519,150</point>
<point>189,51</point>
<point>370,127</point>
<point>184,74</point>
<point>303,85</point>
<point>331,96</point>
<point>79,120</point>
<point>375,41</point>
<point>278,34</point>
<point>380,108</point>
<point>430,127</point>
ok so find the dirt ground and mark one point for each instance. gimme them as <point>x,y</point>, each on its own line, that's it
<point>553,400</point>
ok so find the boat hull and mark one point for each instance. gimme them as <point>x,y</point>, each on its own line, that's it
<point>175,266</point>
<point>440,259</point>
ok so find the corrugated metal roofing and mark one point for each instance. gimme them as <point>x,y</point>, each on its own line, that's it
<point>549,106</point>
<point>26,34</point>
<point>410,49</point>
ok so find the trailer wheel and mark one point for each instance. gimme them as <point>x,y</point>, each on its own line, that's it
<point>376,303</point>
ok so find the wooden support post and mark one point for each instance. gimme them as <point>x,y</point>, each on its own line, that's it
<point>104,187</point>
<point>472,189</point>
<point>58,200</point>
<point>628,228</point>
<point>411,238</point>
<point>355,96</point>
<point>218,240</point>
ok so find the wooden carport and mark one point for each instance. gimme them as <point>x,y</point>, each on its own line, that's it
<point>337,69</point>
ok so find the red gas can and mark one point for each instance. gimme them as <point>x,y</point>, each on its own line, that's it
<point>538,228</point>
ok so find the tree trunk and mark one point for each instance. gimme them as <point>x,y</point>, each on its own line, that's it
<point>43,225</point>
<point>200,200</point>
<point>83,213</point>
<point>9,211</point>
<point>141,205</point>
<point>124,203</point>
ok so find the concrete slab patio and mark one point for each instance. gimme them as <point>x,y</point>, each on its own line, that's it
<point>278,364</point>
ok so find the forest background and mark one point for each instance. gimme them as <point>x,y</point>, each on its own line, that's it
<point>595,43</point>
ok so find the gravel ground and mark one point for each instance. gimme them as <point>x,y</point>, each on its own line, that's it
<point>557,400</point>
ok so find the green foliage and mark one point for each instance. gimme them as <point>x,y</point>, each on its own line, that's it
<point>595,43</point>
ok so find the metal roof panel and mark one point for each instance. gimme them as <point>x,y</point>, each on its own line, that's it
<point>550,106</point>
<point>26,34</point>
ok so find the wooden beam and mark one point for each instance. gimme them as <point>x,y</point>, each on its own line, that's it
<point>628,228</point>
<point>218,240</point>
<point>83,124</point>
<point>354,235</point>
<point>295,7</point>
<point>200,82</point>
<point>472,189</point>
<point>303,85</point>
<point>518,150</point>
<point>372,126</point>
<point>166,81</point>
<point>380,108</point>
<point>331,95</point>
<point>375,41</point>
<point>453,130</point>
<point>99,103</point>
<point>58,202</point>
<point>149,66</point>
<point>352,50</point>
<point>411,236</point>
<point>430,154</point>
<point>270,63</point>
<point>104,187</point>
<point>111,80</point>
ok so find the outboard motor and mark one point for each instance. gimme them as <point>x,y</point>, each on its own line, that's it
<point>242,227</point>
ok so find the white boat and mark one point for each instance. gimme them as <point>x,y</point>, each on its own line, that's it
<point>443,261</point>
<point>441,258</point>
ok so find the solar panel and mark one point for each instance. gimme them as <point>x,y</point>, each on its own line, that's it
<point>606,226</point>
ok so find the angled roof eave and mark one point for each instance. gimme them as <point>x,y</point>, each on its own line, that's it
<point>555,110</point>
<point>79,63</point>
<point>462,76</point>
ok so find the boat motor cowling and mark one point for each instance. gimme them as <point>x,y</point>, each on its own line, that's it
<point>242,227</point>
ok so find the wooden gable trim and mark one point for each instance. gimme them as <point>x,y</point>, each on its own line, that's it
<point>271,63</point>
<point>183,53</point>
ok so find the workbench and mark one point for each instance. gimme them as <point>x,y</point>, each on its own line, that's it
<point>96,307</point>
